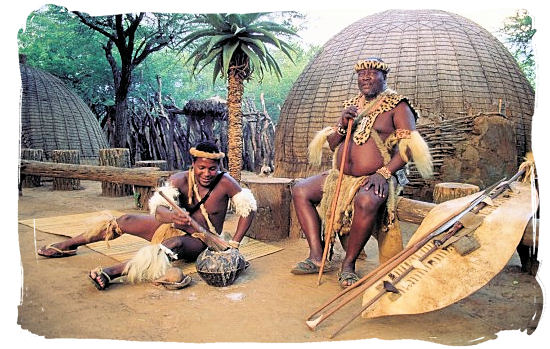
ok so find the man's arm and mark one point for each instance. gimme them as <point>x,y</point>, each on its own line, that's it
<point>245,207</point>
<point>403,119</point>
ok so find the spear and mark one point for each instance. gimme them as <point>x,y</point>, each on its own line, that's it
<point>499,188</point>
<point>385,268</point>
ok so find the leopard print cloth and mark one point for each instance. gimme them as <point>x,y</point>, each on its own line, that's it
<point>390,99</point>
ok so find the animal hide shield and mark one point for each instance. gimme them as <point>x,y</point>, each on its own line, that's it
<point>429,281</point>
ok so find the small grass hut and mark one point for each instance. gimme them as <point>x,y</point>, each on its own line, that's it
<point>475,104</point>
<point>53,117</point>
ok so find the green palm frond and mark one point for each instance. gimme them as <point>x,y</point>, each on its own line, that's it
<point>256,42</point>
<point>214,40</point>
<point>237,38</point>
<point>228,50</point>
<point>218,21</point>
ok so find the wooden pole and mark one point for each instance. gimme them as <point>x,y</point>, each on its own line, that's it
<point>328,227</point>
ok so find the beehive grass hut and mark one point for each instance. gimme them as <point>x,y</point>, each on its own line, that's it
<point>53,117</point>
<point>452,70</point>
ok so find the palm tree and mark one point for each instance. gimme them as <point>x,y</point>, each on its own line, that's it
<point>237,44</point>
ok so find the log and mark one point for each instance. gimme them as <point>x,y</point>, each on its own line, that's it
<point>272,220</point>
<point>31,154</point>
<point>142,194</point>
<point>117,157</point>
<point>66,157</point>
<point>451,190</point>
<point>130,176</point>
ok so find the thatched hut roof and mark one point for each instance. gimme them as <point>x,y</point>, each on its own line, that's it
<point>446,64</point>
<point>214,107</point>
<point>53,117</point>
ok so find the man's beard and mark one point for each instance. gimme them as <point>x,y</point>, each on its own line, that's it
<point>375,90</point>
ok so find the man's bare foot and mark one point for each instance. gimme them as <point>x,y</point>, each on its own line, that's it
<point>347,278</point>
<point>53,251</point>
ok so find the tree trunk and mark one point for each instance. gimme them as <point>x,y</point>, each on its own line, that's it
<point>31,154</point>
<point>66,157</point>
<point>450,190</point>
<point>117,157</point>
<point>235,89</point>
<point>272,219</point>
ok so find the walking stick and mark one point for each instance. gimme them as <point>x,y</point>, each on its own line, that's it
<point>209,238</point>
<point>383,269</point>
<point>328,227</point>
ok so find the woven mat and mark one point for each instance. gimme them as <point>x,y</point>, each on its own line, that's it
<point>124,247</point>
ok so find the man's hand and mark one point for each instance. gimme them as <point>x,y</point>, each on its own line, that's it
<point>179,218</point>
<point>348,114</point>
<point>378,183</point>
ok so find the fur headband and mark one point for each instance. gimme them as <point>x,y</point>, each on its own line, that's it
<point>203,154</point>
<point>372,64</point>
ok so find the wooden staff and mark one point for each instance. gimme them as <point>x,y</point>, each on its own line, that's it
<point>209,238</point>
<point>385,268</point>
<point>328,227</point>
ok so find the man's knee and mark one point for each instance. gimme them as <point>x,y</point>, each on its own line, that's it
<point>300,191</point>
<point>367,202</point>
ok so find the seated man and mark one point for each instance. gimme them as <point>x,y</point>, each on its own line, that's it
<point>203,191</point>
<point>383,140</point>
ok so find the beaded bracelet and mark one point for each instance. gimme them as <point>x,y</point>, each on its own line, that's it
<point>384,172</point>
<point>340,130</point>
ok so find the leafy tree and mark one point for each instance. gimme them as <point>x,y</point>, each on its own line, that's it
<point>135,37</point>
<point>236,44</point>
<point>518,31</point>
<point>56,42</point>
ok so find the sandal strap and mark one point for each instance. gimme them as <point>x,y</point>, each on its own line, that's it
<point>51,246</point>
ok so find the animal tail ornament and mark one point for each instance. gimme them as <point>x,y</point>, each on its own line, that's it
<point>149,263</point>
<point>417,147</point>
<point>315,148</point>
<point>529,166</point>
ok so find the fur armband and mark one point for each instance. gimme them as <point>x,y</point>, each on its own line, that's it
<point>315,148</point>
<point>149,263</point>
<point>157,200</point>
<point>244,202</point>
<point>420,153</point>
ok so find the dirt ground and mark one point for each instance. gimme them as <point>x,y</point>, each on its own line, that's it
<point>267,304</point>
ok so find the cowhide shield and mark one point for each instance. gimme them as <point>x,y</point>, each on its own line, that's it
<point>444,277</point>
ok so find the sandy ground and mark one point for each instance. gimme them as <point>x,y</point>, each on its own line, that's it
<point>266,304</point>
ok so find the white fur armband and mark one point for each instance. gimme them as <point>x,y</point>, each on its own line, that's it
<point>157,200</point>
<point>244,202</point>
<point>315,148</point>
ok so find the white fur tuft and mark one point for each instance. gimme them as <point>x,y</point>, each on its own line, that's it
<point>157,200</point>
<point>315,147</point>
<point>244,202</point>
<point>149,263</point>
<point>420,153</point>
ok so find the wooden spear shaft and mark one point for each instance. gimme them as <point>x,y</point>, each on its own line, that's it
<point>328,227</point>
